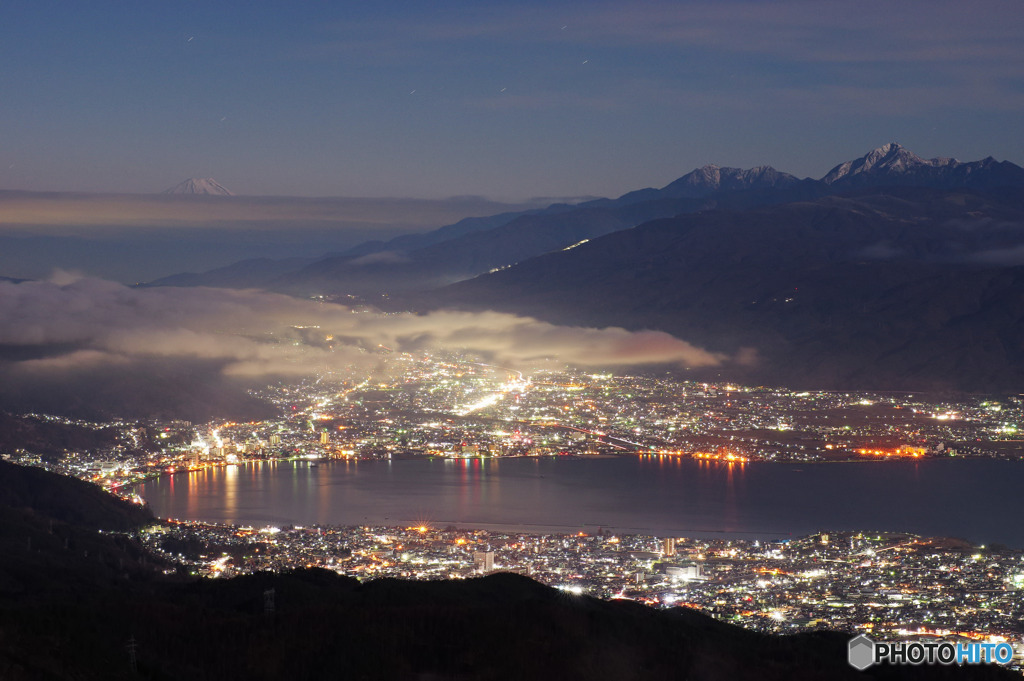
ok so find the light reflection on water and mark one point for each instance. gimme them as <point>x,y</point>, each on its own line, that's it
<point>977,499</point>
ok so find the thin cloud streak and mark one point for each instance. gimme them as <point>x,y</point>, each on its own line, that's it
<point>826,31</point>
<point>56,209</point>
<point>818,30</point>
<point>795,52</point>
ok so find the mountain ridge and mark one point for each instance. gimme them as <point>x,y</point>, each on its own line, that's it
<point>711,178</point>
<point>909,289</point>
<point>892,164</point>
<point>477,245</point>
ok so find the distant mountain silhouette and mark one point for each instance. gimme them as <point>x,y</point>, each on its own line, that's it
<point>475,245</point>
<point>461,257</point>
<point>251,273</point>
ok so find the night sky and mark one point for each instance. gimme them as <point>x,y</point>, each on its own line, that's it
<point>508,100</point>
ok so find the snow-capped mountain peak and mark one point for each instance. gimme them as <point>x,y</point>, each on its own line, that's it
<point>889,159</point>
<point>711,178</point>
<point>205,186</point>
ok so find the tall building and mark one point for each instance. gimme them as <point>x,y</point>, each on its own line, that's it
<point>669,547</point>
<point>325,437</point>
<point>483,561</point>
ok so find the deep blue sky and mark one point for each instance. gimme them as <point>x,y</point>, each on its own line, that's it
<point>504,99</point>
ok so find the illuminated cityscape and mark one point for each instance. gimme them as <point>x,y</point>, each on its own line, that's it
<point>651,341</point>
<point>889,585</point>
<point>452,406</point>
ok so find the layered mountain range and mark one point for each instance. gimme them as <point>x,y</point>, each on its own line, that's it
<point>910,288</point>
<point>891,271</point>
<point>473,246</point>
<point>477,245</point>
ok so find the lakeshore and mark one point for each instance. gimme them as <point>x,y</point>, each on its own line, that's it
<point>974,499</point>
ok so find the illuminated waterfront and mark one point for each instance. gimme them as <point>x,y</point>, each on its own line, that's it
<point>974,499</point>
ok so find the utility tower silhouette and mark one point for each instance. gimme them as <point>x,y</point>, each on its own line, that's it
<point>131,654</point>
<point>268,602</point>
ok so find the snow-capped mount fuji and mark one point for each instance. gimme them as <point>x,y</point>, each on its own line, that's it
<point>200,186</point>
<point>893,164</point>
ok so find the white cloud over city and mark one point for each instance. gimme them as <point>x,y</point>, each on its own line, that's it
<point>73,330</point>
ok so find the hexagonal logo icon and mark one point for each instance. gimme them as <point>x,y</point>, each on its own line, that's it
<point>861,652</point>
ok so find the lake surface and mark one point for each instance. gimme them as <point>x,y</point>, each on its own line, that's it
<point>980,500</point>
